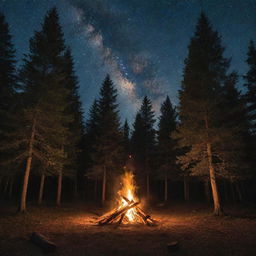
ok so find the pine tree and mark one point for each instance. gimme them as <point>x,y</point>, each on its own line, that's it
<point>233,150</point>
<point>108,150</point>
<point>75,126</point>
<point>167,146</point>
<point>250,79</point>
<point>92,124</point>
<point>143,141</point>
<point>200,95</point>
<point>91,134</point>
<point>126,139</point>
<point>45,131</point>
<point>138,141</point>
<point>8,101</point>
<point>250,98</point>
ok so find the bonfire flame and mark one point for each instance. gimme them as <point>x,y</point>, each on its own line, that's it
<point>128,192</point>
<point>128,210</point>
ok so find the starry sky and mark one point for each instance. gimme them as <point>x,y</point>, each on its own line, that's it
<point>142,44</point>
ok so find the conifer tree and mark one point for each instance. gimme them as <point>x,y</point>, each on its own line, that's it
<point>167,146</point>
<point>234,149</point>
<point>92,124</point>
<point>91,134</point>
<point>45,131</point>
<point>200,95</point>
<point>250,98</point>
<point>126,139</point>
<point>107,155</point>
<point>143,140</point>
<point>250,79</point>
<point>137,141</point>
<point>75,126</point>
<point>8,101</point>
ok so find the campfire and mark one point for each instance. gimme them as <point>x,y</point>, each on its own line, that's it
<point>128,210</point>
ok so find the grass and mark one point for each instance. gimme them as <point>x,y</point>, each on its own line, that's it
<point>74,230</point>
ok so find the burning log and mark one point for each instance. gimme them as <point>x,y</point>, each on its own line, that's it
<point>128,210</point>
<point>117,213</point>
<point>146,218</point>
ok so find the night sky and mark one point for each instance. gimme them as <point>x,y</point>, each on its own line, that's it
<point>141,43</point>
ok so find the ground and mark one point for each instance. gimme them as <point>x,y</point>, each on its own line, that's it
<point>75,231</point>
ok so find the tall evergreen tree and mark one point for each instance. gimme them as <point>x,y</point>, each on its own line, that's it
<point>137,141</point>
<point>250,79</point>
<point>91,134</point>
<point>45,101</point>
<point>76,125</point>
<point>126,139</point>
<point>143,140</point>
<point>234,148</point>
<point>250,98</point>
<point>8,100</point>
<point>92,124</point>
<point>199,131</point>
<point>108,150</point>
<point>167,146</point>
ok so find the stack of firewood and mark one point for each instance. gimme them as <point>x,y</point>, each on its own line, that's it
<point>118,216</point>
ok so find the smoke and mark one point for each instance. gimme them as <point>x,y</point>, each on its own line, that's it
<point>114,37</point>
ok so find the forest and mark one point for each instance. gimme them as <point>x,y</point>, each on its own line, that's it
<point>199,152</point>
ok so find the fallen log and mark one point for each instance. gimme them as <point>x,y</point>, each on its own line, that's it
<point>42,242</point>
<point>173,246</point>
<point>117,213</point>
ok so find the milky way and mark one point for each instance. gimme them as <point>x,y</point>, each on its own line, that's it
<point>142,44</point>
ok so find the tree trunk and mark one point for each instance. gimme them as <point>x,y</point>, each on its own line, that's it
<point>59,189</point>
<point>10,188</point>
<point>244,191</point>
<point>41,189</point>
<point>95,188</point>
<point>238,190</point>
<point>207,190</point>
<point>186,188</point>
<point>6,187</point>
<point>75,187</point>
<point>103,196</point>
<point>215,193</point>
<point>27,170</point>
<point>147,185</point>
<point>226,190</point>
<point>233,191</point>
<point>166,189</point>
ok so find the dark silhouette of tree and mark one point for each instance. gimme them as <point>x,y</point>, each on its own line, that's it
<point>204,74</point>
<point>107,155</point>
<point>250,99</point>
<point>234,149</point>
<point>76,124</point>
<point>45,133</point>
<point>91,134</point>
<point>143,141</point>
<point>8,103</point>
<point>126,139</point>
<point>167,146</point>
<point>250,79</point>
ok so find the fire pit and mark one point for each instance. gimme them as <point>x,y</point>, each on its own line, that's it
<point>128,210</point>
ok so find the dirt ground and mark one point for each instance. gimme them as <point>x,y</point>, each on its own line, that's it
<point>75,232</point>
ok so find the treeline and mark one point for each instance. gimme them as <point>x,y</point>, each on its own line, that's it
<point>209,138</point>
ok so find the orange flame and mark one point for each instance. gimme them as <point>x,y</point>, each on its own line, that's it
<point>128,190</point>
